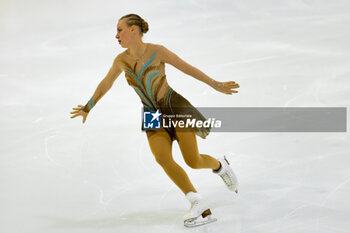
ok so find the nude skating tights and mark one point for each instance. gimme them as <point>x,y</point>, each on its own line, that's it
<point>161,147</point>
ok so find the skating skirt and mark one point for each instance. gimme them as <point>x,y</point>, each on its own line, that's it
<point>175,104</point>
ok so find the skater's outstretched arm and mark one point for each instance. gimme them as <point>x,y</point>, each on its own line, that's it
<point>171,58</point>
<point>100,91</point>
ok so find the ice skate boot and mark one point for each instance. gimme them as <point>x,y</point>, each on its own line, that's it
<point>227,174</point>
<point>199,214</point>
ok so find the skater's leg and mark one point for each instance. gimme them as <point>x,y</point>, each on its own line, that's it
<point>161,146</point>
<point>188,145</point>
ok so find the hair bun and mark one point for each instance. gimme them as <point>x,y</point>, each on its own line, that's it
<point>144,26</point>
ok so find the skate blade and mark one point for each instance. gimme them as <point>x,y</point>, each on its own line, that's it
<point>226,160</point>
<point>199,221</point>
<point>203,219</point>
<point>233,188</point>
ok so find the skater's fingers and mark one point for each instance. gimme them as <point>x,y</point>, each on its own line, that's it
<point>75,115</point>
<point>234,85</point>
<point>84,118</point>
<point>230,92</point>
<point>79,107</point>
<point>230,83</point>
<point>233,88</point>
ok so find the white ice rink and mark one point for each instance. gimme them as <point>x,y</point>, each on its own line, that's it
<point>59,175</point>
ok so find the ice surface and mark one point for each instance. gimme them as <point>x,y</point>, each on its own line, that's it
<point>58,175</point>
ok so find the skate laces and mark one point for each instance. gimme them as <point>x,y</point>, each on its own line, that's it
<point>225,176</point>
<point>226,179</point>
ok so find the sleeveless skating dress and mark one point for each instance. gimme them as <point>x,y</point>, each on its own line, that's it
<point>149,83</point>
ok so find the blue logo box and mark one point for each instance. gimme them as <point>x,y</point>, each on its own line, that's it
<point>151,120</point>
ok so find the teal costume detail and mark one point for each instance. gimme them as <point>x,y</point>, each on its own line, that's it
<point>147,85</point>
<point>90,104</point>
<point>147,91</point>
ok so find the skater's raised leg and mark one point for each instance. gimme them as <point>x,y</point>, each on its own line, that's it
<point>189,149</point>
<point>161,145</point>
<point>188,145</point>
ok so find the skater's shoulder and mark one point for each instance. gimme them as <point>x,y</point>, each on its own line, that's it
<point>154,48</point>
<point>119,60</point>
<point>121,56</point>
<point>162,51</point>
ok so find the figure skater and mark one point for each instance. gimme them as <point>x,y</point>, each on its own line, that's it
<point>143,65</point>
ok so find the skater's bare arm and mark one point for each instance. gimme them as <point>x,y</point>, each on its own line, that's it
<point>171,58</point>
<point>105,84</point>
<point>102,88</point>
<point>112,74</point>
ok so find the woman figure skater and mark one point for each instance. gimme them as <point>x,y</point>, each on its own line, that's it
<point>143,65</point>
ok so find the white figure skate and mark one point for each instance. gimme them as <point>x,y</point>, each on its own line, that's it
<point>199,214</point>
<point>227,175</point>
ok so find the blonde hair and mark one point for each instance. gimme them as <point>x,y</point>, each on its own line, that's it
<point>134,19</point>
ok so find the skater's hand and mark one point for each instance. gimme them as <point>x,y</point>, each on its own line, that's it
<point>79,112</point>
<point>225,87</point>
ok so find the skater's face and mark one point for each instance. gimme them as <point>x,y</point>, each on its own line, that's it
<point>125,34</point>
